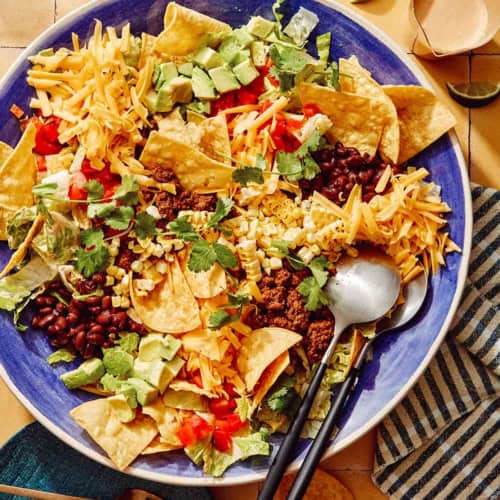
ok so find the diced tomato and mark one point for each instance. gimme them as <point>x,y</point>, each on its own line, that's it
<point>231,390</point>
<point>257,87</point>
<point>34,120</point>
<point>225,101</point>
<point>310,110</point>
<point>109,180</point>
<point>221,407</point>
<point>196,379</point>
<point>77,193</point>
<point>230,423</point>
<point>222,440</point>
<point>282,138</point>
<point>246,96</point>
<point>200,427</point>
<point>186,433</point>
<point>46,139</point>
<point>41,164</point>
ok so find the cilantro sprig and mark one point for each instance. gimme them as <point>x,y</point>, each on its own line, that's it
<point>311,287</point>
<point>203,254</point>
<point>94,256</point>
<point>300,164</point>
<point>223,317</point>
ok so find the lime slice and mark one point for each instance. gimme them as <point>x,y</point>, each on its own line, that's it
<point>474,94</point>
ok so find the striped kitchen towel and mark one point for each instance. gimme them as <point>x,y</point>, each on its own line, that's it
<point>443,440</point>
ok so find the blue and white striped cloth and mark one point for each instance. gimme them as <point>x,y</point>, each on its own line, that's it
<point>443,440</point>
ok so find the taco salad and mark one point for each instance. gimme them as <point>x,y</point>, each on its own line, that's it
<point>175,206</point>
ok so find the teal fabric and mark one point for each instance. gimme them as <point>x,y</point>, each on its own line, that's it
<point>35,459</point>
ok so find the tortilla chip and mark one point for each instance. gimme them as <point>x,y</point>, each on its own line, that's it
<point>17,177</point>
<point>195,170</point>
<point>360,82</point>
<point>122,442</point>
<point>214,140</point>
<point>18,256</point>
<point>206,284</point>
<point>260,349</point>
<point>357,121</point>
<point>357,344</point>
<point>322,486</point>
<point>158,446</point>
<point>171,306</point>
<point>168,421</point>
<point>422,118</point>
<point>173,126</point>
<point>184,29</point>
<point>269,377</point>
<point>5,152</point>
<point>203,341</point>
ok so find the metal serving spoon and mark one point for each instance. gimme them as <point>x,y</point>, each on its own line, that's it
<point>414,293</point>
<point>363,290</point>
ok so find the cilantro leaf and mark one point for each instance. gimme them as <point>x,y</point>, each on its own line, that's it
<point>127,192</point>
<point>311,291</point>
<point>94,189</point>
<point>183,229</point>
<point>100,209</point>
<point>225,257</point>
<point>145,226</point>
<point>284,397</point>
<point>283,247</point>
<point>311,168</point>
<point>203,256</point>
<point>95,256</point>
<point>120,218</point>
<point>221,318</point>
<point>290,165</point>
<point>310,145</point>
<point>222,209</point>
<point>319,269</point>
<point>42,190</point>
<point>248,174</point>
<point>240,299</point>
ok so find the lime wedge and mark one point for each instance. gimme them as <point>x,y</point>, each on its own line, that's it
<point>474,94</point>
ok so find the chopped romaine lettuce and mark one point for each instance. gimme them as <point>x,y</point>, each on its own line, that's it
<point>16,287</point>
<point>301,26</point>
<point>60,356</point>
<point>128,341</point>
<point>19,226</point>
<point>323,46</point>
<point>243,407</point>
<point>197,450</point>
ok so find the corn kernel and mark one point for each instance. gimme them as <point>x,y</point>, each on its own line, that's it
<point>137,266</point>
<point>125,303</point>
<point>116,301</point>
<point>161,266</point>
<point>275,263</point>
<point>113,251</point>
<point>110,281</point>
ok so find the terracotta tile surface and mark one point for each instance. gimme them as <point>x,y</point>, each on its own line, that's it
<point>477,129</point>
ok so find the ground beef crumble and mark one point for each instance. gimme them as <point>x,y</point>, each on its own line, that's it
<point>169,205</point>
<point>282,306</point>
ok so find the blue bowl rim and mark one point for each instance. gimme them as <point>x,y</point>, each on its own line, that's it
<point>335,447</point>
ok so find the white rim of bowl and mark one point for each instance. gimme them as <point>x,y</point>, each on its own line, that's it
<point>65,22</point>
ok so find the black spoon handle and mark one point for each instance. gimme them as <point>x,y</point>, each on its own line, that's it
<point>284,455</point>
<point>322,440</point>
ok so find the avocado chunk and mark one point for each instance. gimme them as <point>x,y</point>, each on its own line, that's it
<point>201,107</point>
<point>158,373</point>
<point>208,58</point>
<point>157,346</point>
<point>246,72</point>
<point>133,53</point>
<point>89,372</point>
<point>110,383</point>
<point>229,49</point>
<point>164,73</point>
<point>177,90</point>
<point>223,79</point>
<point>129,392</point>
<point>203,87</point>
<point>117,361</point>
<point>150,100</point>
<point>121,408</point>
<point>128,341</point>
<point>259,27</point>
<point>146,393</point>
<point>258,50</point>
<point>242,37</point>
<point>243,55</point>
<point>185,69</point>
<point>184,400</point>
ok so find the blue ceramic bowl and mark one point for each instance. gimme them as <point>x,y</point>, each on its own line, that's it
<point>399,357</point>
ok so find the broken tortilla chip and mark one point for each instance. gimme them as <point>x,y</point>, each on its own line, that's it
<point>17,178</point>
<point>122,442</point>
<point>359,81</point>
<point>269,377</point>
<point>206,284</point>
<point>171,306</point>
<point>158,446</point>
<point>184,30</point>
<point>357,121</point>
<point>214,140</point>
<point>182,385</point>
<point>422,118</point>
<point>18,256</point>
<point>168,421</point>
<point>322,486</point>
<point>260,349</point>
<point>195,170</point>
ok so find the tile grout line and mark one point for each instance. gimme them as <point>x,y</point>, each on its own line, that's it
<point>12,46</point>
